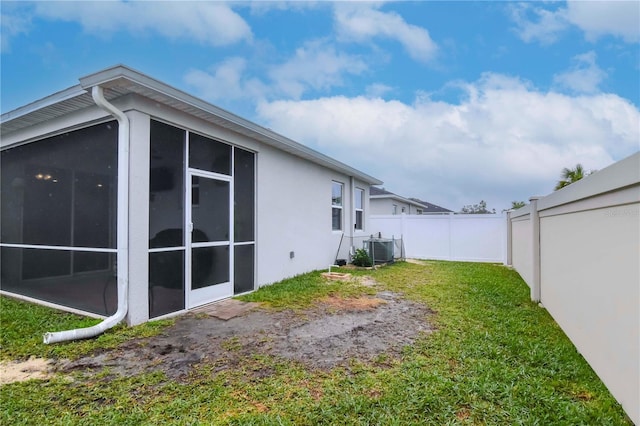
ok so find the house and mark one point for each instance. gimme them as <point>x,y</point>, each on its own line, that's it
<point>384,202</point>
<point>125,196</point>
<point>430,207</point>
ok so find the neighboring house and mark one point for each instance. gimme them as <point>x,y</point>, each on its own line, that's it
<point>384,202</point>
<point>431,208</point>
<point>123,180</point>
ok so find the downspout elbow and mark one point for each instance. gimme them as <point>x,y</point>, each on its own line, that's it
<point>123,248</point>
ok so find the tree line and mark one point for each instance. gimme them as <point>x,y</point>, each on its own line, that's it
<point>568,176</point>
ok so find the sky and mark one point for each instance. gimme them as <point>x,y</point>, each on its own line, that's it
<point>451,102</point>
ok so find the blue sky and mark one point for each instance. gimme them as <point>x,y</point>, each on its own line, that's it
<point>450,102</point>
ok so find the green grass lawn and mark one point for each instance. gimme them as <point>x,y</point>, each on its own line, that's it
<point>495,358</point>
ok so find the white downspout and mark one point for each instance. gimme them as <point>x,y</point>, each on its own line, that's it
<point>352,225</point>
<point>122,233</point>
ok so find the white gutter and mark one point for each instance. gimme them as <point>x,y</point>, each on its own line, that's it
<point>352,225</point>
<point>123,225</point>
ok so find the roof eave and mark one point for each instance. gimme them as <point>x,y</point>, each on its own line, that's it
<point>48,101</point>
<point>123,76</point>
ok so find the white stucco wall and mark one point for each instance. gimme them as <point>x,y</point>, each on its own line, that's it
<point>294,215</point>
<point>139,153</point>
<point>381,206</point>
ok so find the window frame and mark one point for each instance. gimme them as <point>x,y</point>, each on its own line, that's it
<point>337,206</point>
<point>358,195</point>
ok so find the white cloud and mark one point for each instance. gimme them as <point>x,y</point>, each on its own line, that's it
<point>599,18</point>
<point>12,25</point>
<point>505,142</point>
<point>226,81</point>
<point>377,90</point>
<point>594,18</point>
<point>362,22</point>
<point>317,66</point>
<point>262,7</point>
<point>209,23</point>
<point>544,26</point>
<point>584,77</point>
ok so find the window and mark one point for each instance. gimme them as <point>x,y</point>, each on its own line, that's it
<point>359,207</point>
<point>336,206</point>
<point>419,211</point>
<point>403,210</point>
<point>395,209</point>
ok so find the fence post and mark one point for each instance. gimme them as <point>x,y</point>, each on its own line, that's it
<point>535,250</point>
<point>403,225</point>
<point>450,223</point>
<point>508,260</point>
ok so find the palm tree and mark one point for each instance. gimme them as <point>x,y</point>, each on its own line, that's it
<point>515,205</point>
<point>570,176</point>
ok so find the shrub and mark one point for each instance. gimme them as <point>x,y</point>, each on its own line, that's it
<point>361,258</point>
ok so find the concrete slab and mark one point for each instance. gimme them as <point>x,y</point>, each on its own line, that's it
<point>226,309</point>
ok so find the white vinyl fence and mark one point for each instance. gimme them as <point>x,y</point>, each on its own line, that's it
<point>578,249</point>
<point>465,237</point>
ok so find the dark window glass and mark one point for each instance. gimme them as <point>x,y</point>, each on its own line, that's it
<point>243,279</point>
<point>93,195</point>
<point>336,219</point>
<point>358,224</point>
<point>45,196</point>
<point>211,217</point>
<point>359,205</point>
<point>45,275</point>
<point>208,154</point>
<point>244,195</point>
<point>45,264</point>
<point>90,261</point>
<point>166,282</point>
<point>195,191</point>
<point>336,201</point>
<point>47,212</point>
<point>209,266</point>
<point>166,186</point>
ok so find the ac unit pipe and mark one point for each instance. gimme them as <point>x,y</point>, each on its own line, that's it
<point>97,94</point>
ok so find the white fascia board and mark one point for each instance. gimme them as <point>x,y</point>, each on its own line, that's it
<point>118,74</point>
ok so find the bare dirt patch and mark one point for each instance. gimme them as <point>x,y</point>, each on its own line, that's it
<point>351,304</point>
<point>33,368</point>
<point>333,333</point>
